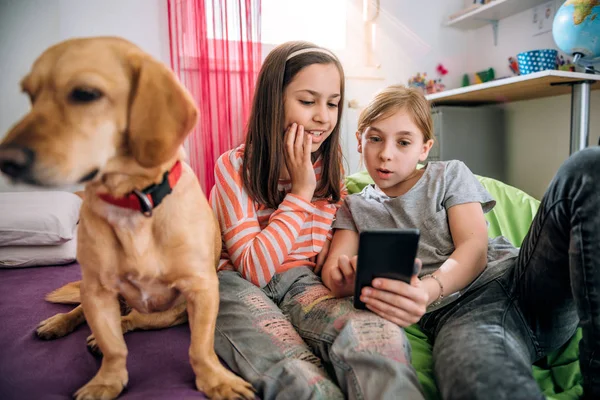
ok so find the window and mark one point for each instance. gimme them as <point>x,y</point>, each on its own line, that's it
<point>322,22</point>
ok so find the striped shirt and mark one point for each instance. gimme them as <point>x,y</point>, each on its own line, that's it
<point>258,241</point>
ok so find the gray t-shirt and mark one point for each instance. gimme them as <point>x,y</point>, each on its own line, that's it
<point>443,184</point>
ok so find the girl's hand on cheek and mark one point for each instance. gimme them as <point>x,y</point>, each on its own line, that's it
<point>396,301</point>
<point>297,160</point>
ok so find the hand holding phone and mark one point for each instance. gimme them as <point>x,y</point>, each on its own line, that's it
<point>385,254</point>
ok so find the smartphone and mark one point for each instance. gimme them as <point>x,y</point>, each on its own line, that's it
<point>386,253</point>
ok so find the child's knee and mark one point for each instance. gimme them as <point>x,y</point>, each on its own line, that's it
<point>299,378</point>
<point>368,333</point>
<point>584,163</point>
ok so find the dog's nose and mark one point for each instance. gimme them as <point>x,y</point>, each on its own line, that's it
<point>16,161</point>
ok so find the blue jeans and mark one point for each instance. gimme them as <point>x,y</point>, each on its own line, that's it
<point>486,342</point>
<point>293,340</point>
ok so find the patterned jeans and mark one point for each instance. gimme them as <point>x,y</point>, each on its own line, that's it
<point>293,340</point>
<point>486,341</point>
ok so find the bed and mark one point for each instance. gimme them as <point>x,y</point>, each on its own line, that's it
<point>158,360</point>
<point>33,369</point>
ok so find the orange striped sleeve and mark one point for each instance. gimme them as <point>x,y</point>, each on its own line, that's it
<point>257,254</point>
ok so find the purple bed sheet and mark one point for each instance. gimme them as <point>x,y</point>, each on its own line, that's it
<point>31,368</point>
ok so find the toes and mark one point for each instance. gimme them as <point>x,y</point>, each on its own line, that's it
<point>44,333</point>
<point>102,388</point>
<point>51,328</point>
<point>98,392</point>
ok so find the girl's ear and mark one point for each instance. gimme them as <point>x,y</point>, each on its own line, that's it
<point>358,138</point>
<point>425,151</point>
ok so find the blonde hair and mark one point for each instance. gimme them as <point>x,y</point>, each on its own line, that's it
<point>393,99</point>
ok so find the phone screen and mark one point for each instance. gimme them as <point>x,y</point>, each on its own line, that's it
<point>388,253</point>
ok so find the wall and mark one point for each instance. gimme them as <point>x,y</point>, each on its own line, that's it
<point>28,27</point>
<point>412,40</point>
<point>538,130</point>
<point>538,139</point>
<point>408,40</point>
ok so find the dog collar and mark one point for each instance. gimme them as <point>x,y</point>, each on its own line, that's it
<point>149,198</point>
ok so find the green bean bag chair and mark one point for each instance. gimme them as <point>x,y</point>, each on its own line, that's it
<point>558,374</point>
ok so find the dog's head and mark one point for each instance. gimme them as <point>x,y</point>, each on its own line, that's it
<point>91,100</point>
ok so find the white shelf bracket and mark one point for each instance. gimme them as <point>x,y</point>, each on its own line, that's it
<point>495,30</point>
<point>494,24</point>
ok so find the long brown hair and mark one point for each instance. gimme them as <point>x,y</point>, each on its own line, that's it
<point>265,137</point>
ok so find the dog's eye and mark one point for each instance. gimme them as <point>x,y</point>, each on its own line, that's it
<point>84,95</point>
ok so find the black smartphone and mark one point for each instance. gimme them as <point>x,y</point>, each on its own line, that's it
<point>386,253</point>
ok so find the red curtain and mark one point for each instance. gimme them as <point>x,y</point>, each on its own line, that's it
<point>216,52</point>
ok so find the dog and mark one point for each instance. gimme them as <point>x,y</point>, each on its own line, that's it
<point>107,114</point>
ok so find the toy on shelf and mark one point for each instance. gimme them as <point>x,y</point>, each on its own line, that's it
<point>429,86</point>
<point>485,76</point>
<point>479,77</point>
<point>418,81</point>
<point>441,70</point>
<point>513,65</point>
<point>565,64</point>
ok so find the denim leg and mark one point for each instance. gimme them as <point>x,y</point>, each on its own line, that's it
<point>370,356</point>
<point>483,349</point>
<point>257,341</point>
<point>557,276</point>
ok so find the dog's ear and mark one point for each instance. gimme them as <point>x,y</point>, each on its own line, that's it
<point>161,114</point>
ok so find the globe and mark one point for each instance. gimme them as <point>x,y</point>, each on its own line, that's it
<point>576,28</point>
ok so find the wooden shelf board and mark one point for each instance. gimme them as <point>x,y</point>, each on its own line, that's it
<point>524,87</point>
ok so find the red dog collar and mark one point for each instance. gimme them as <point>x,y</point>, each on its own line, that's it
<point>150,197</point>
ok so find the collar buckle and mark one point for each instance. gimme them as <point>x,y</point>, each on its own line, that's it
<point>145,204</point>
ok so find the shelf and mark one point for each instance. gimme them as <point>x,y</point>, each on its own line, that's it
<point>494,11</point>
<point>524,87</point>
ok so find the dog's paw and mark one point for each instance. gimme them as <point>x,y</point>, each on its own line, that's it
<point>101,389</point>
<point>54,327</point>
<point>226,387</point>
<point>92,346</point>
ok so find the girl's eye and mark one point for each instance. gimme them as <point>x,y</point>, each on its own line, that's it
<point>332,105</point>
<point>373,139</point>
<point>307,103</point>
<point>403,143</point>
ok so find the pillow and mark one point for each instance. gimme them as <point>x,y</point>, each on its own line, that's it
<point>32,256</point>
<point>38,218</point>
